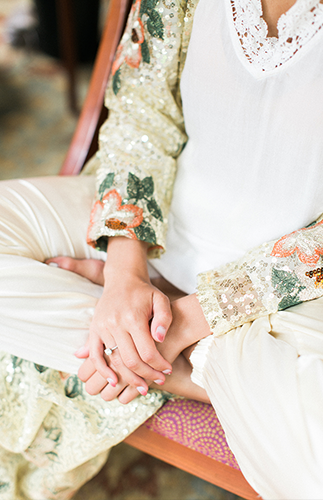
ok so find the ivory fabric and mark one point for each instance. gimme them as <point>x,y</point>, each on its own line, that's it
<point>53,435</point>
<point>265,381</point>
<point>52,427</point>
<point>250,169</point>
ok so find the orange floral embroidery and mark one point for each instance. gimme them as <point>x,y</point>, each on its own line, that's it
<point>110,212</point>
<point>306,242</point>
<point>129,50</point>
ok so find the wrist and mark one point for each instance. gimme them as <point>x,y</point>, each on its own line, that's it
<point>126,256</point>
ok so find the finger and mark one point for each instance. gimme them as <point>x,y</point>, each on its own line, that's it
<point>86,370</point>
<point>128,394</point>
<point>92,269</point>
<point>127,376</point>
<point>84,351</point>
<point>95,384</point>
<point>149,354</point>
<point>136,362</point>
<point>110,393</point>
<point>99,362</point>
<point>162,317</point>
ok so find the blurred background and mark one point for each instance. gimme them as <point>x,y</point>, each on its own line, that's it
<point>37,122</point>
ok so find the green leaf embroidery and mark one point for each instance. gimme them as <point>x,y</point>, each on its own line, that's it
<point>155,24</point>
<point>16,361</point>
<point>148,186</point>
<point>154,209</point>
<point>106,184</point>
<point>135,188</point>
<point>116,82</point>
<point>73,387</point>
<point>4,486</point>
<point>145,52</point>
<point>52,456</point>
<point>40,368</point>
<point>288,301</point>
<point>288,285</point>
<point>284,282</point>
<point>147,5</point>
<point>145,232</point>
<point>54,434</point>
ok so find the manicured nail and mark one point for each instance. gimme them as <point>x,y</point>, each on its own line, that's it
<point>53,264</point>
<point>160,333</point>
<point>167,372</point>
<point>159,382</point>
<point>80,351</point>
<point>142,390</point>
<point>111,382</point>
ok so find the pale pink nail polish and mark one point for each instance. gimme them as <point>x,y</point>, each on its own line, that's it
<point>53,264</point>
<point>142,390</point>
<point>159,382</point>
<point>111,382</point>
<point>80,351</point>
<point>167,372</point>
<point>160,333</point>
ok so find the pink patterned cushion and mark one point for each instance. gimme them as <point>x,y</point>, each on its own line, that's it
<point>194,425</point>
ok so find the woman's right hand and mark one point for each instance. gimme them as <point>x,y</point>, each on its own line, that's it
<point>130,314</point>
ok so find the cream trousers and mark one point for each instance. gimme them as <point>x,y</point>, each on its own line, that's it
<point>265,379</point>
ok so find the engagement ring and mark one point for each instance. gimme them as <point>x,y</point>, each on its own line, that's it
<point>108,351</point>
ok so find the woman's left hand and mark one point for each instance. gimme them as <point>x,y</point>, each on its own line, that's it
<point>96,383</point>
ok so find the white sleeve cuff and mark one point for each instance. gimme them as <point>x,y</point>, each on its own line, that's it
<point>198,360</point>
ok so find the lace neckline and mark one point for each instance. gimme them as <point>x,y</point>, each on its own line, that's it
<point>264,54</point>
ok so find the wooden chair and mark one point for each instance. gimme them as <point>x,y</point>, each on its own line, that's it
<point>160,435</point>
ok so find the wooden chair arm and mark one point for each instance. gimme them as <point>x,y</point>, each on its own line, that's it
<point>191,461</point>
<point>80,149</point>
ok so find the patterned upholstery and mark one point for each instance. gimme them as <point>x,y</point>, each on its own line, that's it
<point>194,425</point>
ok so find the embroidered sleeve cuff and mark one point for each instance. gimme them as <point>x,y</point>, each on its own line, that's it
<point>272,277</point>
<point>136,216</point>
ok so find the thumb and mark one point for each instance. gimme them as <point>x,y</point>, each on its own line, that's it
<point>162,317</point>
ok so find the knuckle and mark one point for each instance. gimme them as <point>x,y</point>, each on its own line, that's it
<point>168,316</point>
<point>111,323</point>
<point>131,363</point>
<point>133,381</point>
<point>130,318</point>
<point>117,363</point>
<point>148,357</point>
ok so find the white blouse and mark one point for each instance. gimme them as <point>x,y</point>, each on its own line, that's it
<point>253,106</point>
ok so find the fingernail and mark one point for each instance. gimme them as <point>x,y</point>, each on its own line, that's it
<point>142,390</point>
<point>159,382</point>
<point>167,372</point>
<point>53,264</point>
<point>160,333</point>
<point>80,351</point>
<point>111,382</point>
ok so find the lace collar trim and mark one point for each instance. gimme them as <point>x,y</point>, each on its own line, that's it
<point>295,29</point>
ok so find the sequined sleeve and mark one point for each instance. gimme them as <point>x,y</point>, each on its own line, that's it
<point>140,141</point>
<point>272,277</point>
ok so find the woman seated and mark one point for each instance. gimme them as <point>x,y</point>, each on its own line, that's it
<point>212,198</point>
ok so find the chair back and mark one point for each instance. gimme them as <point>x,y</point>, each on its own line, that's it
<point>85,139</point>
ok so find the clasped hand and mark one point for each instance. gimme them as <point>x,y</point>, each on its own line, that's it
<point>135,315</point>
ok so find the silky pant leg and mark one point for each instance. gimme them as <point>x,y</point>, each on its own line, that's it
<point>265,381</point>
<point>45,312</point>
